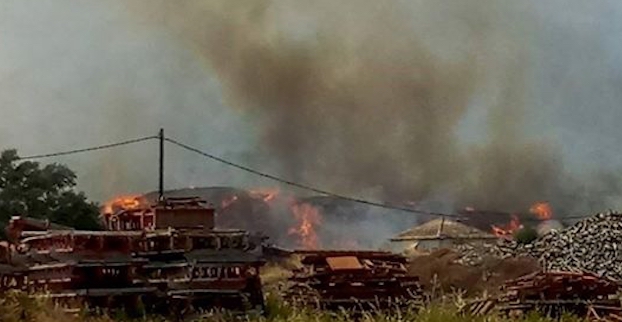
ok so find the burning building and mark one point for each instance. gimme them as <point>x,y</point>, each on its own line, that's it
<point>439,233</point>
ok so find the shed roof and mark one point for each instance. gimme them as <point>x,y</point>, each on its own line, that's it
<point>442,228</point>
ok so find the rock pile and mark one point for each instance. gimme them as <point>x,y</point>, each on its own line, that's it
<point>474,255</point>
<point>593,244</point>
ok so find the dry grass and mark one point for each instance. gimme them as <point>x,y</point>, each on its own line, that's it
<point>277,272</point>
<point>15,307</point>
<point>438,273</point>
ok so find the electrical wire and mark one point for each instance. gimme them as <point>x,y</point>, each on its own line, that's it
<point>95,148</point>
<point>304,186</point>
<point>255,172</point>
<point>322,191</point>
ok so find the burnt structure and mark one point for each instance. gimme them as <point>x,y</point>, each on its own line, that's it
<point>168,258</point>
<point>354,280</point>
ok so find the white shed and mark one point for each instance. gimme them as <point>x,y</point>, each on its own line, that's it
<point>439,233</point>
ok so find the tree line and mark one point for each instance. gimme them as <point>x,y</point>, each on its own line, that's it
<point>28,188</point>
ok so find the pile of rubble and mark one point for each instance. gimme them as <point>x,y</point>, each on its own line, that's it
<point>593,244</point>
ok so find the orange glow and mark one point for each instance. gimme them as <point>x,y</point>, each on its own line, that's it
<point>542,210</point>
<point>508,230</point>
<point>308,219</point>
<point>121,202</point>
<point>228,202</point>
<point>266,194</point>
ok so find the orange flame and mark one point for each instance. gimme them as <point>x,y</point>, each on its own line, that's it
<point>121,202</point>
<point>266,194</point>
<point>508,230</point>
<point>308,218</point>
<point>542,210</point>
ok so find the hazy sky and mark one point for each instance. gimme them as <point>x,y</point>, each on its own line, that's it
<point>77,74</point>
<point>81,74</point>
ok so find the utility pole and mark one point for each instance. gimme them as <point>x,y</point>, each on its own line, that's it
<point>161,170</point>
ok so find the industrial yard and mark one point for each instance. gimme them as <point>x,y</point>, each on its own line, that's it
<point>224,253</point>
<point>299,161</point>
<point>170,260</point>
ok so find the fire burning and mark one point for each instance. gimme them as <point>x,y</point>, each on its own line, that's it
<point>298,221</point>
<point>122,202</point>
<point>308,218</point>
<point>266,194</point>
<point>508,230</point>
<point>542,210</point>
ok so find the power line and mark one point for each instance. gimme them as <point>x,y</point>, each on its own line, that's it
<point>99,147</point>
<point>303,186</point>
<point>322,191</point>
<point>253,171</point>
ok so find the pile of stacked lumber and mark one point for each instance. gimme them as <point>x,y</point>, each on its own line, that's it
<point>353,280</point>
<point>554,293</point>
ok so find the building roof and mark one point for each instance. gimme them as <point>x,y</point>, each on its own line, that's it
<point>442,228</point>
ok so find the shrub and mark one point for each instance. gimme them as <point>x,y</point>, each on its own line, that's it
<point>526,235</point>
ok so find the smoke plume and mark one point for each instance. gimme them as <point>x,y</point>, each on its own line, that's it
<point>475,103</point>
<point>355,96</point>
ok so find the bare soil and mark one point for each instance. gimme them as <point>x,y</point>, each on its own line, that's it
<point>438,272</point>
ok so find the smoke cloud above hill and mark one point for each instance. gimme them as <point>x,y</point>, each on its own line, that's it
<point>374,99</point>
<point>477,103</point>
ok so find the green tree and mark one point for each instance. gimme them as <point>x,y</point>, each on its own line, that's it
<point>44,192</point>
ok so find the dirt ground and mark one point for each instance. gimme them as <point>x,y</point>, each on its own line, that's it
<point>438,273</point>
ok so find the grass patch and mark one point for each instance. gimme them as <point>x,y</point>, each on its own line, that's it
<point>16,307</point>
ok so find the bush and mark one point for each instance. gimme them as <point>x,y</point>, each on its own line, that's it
<point>526,235</point>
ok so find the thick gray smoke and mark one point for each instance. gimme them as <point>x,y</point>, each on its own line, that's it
<point>370,99</point>
<point>481,103</point>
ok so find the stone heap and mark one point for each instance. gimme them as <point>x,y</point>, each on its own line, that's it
<point>593,244</point>
<point>474,255</point>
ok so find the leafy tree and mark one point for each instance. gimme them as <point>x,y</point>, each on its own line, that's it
<point>44,192</point>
